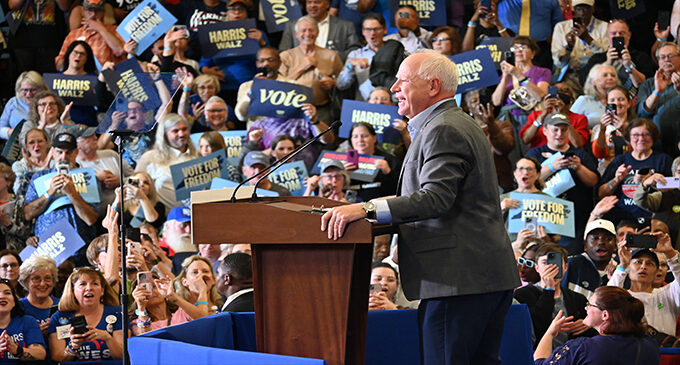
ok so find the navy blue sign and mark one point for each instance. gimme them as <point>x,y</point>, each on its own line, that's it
<point>271,98</point>
<point>279,12</point>
<point>78,89</point>
<point>432,13</point>
<point>366,172</point>
<point>129,81</point>
<point>58,242</point>
<point>228,39</point>
<point>475,70</point>
<point>497,46</point>
<point>198,173</point>
<point>12,149</point>
<point>291,176</point>
<point>145,24</point>
<point>378,115</point>
<point>626,9</point>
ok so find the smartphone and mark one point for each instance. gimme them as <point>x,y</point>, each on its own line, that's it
<point>375,288</point>
<point>672,182</point>
<point>644,222</point>
<point>262,70</point>
<point>555,258</point>
<point>610,109</point>
<point>486,4</point>
<point>353,157</point>
<point>641,240</point>
<point>404,14</point>
<point>133,181</point>
<point>569,154</point>
<point>135,247</point>
<point>145,280</point>
<point>195,99</point>
<point>618,44</point>
<point>79,324</point>
<point>664,19</point>
<point>578,20</point>
<point>509,57</point>
<point>63,168</point>
<point>531,223</point>
<point>643,171</point>
<point>552,92</point>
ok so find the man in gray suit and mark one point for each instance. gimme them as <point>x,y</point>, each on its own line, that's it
<point>454,253</point>
<point>334,33</point>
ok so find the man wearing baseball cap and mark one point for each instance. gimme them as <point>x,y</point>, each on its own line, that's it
<point>587,271</point>
<point>569,170</point>
<point>253,163</point>
<point>81,215</point>
<point>177,237</point>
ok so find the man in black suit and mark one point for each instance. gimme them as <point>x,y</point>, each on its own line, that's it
<point>235,281</point>
<point>334,33</point>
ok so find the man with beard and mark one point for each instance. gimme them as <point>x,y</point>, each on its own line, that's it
<point>177,237</point>
<point>172,147</point>
<point>587,271</point>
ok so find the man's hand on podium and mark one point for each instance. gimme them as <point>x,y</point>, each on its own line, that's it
<point>338,218</point>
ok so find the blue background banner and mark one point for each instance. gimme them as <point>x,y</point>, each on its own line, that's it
<point>228,39</point>
<point>145,24</point>
<point>271,98</point>
<point>291,176</point>
<point>279,12</point>
<point>198,173</point>
<point>84,180</point>
<point>78,89</point>
<point>555,215</point>
<point>378,115</point>
<point>475,70</point>
<point>59,242</point>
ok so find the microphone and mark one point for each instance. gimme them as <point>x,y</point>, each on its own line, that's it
<point>276,164</point>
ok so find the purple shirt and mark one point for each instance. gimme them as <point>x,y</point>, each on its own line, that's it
<point>536,74</point>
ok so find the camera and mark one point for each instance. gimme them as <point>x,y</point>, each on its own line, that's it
<point>63,167</point>
<point>133,181</point>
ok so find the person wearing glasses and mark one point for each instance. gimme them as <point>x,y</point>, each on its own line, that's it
<point>38,275</point>
<point>617,317</point>
<point>547,297</point>
<point>217,116</point>
<point>446,40</point>
<point>47,112</point>
<point>526,264</point>
<point>10,261</point>
<point>20,339</point>
<point>27,86</point>
<point>627,171</point>
<point>332,183</point>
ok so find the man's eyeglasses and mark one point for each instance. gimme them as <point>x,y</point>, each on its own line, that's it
<point>669,57</point>
<point>377,29</point>
<point>269,59</point>
<point>526,262</point>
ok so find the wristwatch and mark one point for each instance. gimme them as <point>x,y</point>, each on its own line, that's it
<point>369,208</point>
<point>20,351</point>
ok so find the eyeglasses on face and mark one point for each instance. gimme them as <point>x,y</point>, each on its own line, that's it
<point>13,265</point>
<point>589,304</point>
<point>526,262</point>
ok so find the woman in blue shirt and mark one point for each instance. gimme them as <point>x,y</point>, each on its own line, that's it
<point>20,337</point>
<point>38,275</point>
<point>28,85</point>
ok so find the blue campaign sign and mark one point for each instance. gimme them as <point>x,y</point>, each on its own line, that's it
<point>378,115</point>
<point>84,180</point>
<point>497,46</point>
<point>59,242</point>
<point>234,140</point>
<point>555,215</point>
<point>197,174</point>
<point>271,98</point>
<point>78,89</point>
<point>475,70</point>
<point>219,183</point>
<point>227,39</point>
<point>145,24</point>
<point>366,172</point>
<point>279,12</point>
<point>560,181</point>
<point>133,84</point>
<point>432,13</point>
<point>291,176</point>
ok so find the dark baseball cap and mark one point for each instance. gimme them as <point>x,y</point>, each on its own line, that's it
<point>65,140</point>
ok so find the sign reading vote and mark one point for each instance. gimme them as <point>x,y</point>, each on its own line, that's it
<point>555,215</point>
<point>378,115</point>
<point>59,242</point>
<point>84,181</point>
<point>228,39</point>
<point>129,81</point>
<point>432,13</point>
<point>234,141</point>
<point>366,172</point>
<point>145,24</point>
<point>291,176</point>
<point>475,70</point>
<point>279,12</point>
<point>271,98</point>
<point>626,9</point>
<point>198,173</point>
<point>79,89</point>
<point>497,46</point>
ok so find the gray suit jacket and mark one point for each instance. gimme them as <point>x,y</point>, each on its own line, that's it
<point>341,32</point>
<point>451,235</point>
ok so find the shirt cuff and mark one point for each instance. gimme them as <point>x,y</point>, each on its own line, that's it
<point>382,211</point>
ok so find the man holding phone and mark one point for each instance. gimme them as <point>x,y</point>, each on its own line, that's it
<point>409,32</point>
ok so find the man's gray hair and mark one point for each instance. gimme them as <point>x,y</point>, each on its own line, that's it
<point>667,44</point>
<point>438,66</point>
<point>308,19</point>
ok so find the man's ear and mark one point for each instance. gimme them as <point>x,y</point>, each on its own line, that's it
<point>435,87</point>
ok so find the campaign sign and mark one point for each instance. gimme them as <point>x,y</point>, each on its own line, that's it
<point>432,13</point>
<point>291,176</point>
<point>560,182</point>
<point>198,173</point>
<point>79,89</point>
<point>279,12</point>
<point>475,70</point>
<point>234,141</point>
<point>59,242</point>
<point>145,24</point>
<point>12,149</point>
<point>227,39</point>
<point>366,172</point>
<point>84,180</point>
<point>129,81</point>
<point>220,183</point>
<point>497,46</point>
<point>555,215</point>
<point>626,9</point>
<point>378,115</point>
<point>271,98</point>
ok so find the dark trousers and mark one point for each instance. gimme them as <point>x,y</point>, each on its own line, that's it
<point>464,329</point>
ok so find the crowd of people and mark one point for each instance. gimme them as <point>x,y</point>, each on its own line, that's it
<point>579,98</point>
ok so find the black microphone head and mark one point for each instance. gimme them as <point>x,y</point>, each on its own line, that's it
<point>336,124</point>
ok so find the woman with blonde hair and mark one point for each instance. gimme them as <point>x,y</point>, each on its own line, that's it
<point>87,294</point>
<point>592,104</point>
<point>141,201</point>
<point>28,84</point>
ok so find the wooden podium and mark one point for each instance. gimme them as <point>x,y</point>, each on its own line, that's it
<point>311,293</point>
